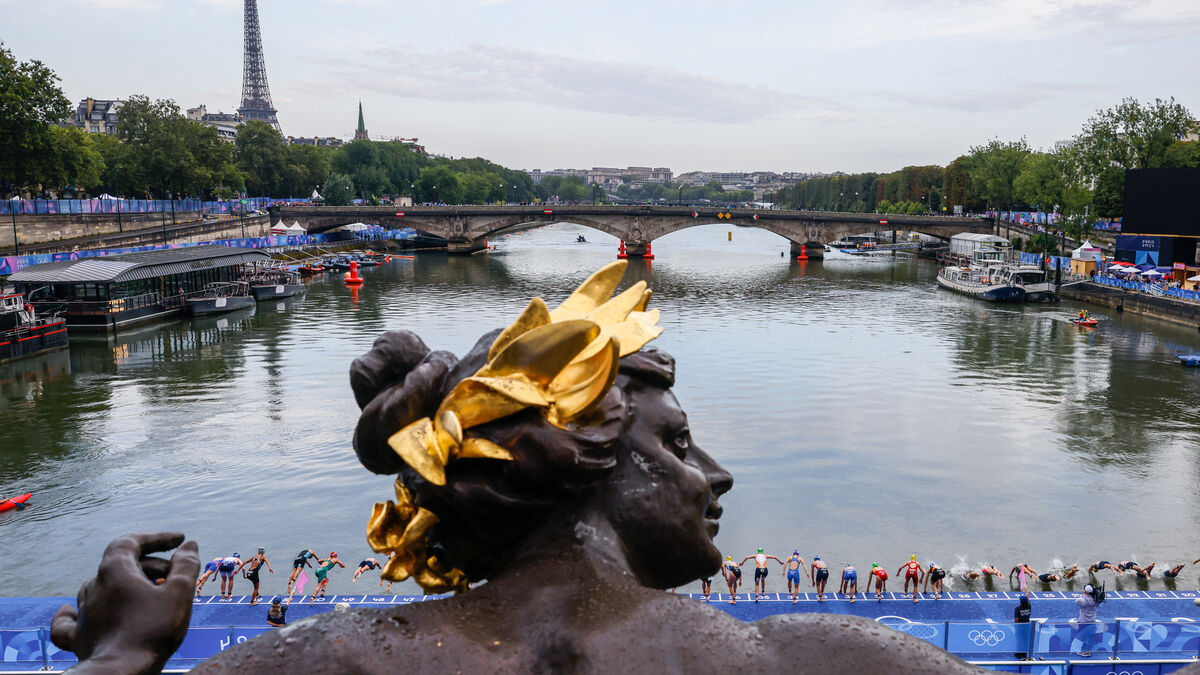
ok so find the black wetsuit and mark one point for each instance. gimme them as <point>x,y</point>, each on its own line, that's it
<point>252,575</point>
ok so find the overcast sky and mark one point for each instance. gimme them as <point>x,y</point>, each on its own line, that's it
<point>800,85</point>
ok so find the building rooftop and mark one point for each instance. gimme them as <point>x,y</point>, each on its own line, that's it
<point>134,266</point>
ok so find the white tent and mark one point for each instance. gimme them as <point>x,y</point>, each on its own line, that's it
<point>355,227</point>
<point>279,228</point>
<point>1152,273</point>
<point>316,196</point>
<point>106,196</point>
<point>296,229</point>
<point>1085,251</point>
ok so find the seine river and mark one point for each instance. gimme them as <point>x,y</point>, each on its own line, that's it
<point>865,414</point>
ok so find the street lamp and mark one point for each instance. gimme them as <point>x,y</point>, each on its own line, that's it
<point>679,202</point>
<point>13,211</point>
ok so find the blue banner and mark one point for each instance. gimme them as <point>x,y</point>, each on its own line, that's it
<point>985,638</point>
<point>934,633</point>
<point>1137,242</point>
<point>22,647</point>
<point>1158,636</point>
<point>1064,638</point>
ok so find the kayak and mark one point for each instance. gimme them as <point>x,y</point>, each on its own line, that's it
<point>1085,322</point>
<point>1191,360</point>
<point>9,504</point>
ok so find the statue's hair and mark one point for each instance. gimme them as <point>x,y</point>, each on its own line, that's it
<point>487,507</point>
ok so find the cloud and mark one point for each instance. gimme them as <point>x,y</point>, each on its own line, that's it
<point>492,74</point>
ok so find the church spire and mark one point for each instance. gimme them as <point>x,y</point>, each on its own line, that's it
<point>361,133</point>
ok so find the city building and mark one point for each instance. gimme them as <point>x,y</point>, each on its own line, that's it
<point>329,142</point>
<point>96,116</point>
<point>226,124</point>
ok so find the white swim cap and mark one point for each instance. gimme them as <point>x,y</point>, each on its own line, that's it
<point>1088,588</point>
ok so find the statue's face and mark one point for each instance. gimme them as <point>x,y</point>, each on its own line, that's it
<point>662,498</point>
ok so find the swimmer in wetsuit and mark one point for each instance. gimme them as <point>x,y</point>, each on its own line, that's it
<point>760,571</point>
<point>226,568</point>
<point>1023,572</point>
<point>849,582</point>
<point>912,572</point>
<point>1143,572</point>
<point>934,577</point>
<point>1174,571</point>
<point>705,587</point>
<point>323,574</point>
<point>820,576</point>
<point>983,573</point>
<point>1104,565</point>
<point>210,569</point>
<point>881,576</point>
<point>298,564</point>
<point>365,566</point>
<point>256,564</point>
<point>733,576</point>
<point>791,570</point>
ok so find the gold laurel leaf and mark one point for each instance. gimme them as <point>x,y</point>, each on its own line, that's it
<point>385,530</point>
<point>481,448</point>
<point>636,331</point>
<point>641,306</point>
<point>417,532</point>
<point>542,352</point>
<point>479,400</point>
<point>581,385</point>
<point>535,315</point>
<point>598,288</point>
<point>450,422</point>
<point>404,502</point>
<point>396,569</point>
<point>615,310</point>
<point>416,444</point>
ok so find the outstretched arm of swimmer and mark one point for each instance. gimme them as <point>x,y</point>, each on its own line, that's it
<point>744,560</point>
<point>775,559</point>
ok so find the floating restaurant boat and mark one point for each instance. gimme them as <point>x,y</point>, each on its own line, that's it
<point>219,297</point>
<point>982,278</point>
<point>23,333</point>
<point>107,292</point>
<point>1030,278</point>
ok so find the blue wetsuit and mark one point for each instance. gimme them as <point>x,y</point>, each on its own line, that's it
<point>850,575</point>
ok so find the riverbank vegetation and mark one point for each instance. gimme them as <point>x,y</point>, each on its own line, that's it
<point>1082,179</point>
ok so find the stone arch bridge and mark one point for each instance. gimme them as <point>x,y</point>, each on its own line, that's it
<point>466,228</point>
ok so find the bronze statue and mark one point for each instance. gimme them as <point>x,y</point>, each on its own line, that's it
<point>553,463</point>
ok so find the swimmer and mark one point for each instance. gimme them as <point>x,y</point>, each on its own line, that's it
<point>1054,576</point>
<point>935,578</point>
<point>706,586</point>
<point>1143,572</point>
<point>299,564</point>
<point>820,576</point>
<point>849,582</point>
<point>365,566</point>
<point>881,576</point>
<point>760,571</point>
<point>1023,572</point>
<point>1104,565</point>
<point>210,569</point>
<point>256,564</point>
<point>227,567</point>
<point>1174,571</point>
<point>323,574</point>
<point>791,570</point>
<point>733,576</point>
<point>389,559</point>
<point>983,573</point>
<point>912,572</point>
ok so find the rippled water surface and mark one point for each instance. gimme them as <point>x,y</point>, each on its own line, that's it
<point>864,414</point>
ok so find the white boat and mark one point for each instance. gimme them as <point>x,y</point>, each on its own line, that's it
<point>982,278</point>
<point>1029,277</point>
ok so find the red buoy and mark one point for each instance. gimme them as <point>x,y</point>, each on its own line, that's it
<point>352,278</point>
<point>803,255</point>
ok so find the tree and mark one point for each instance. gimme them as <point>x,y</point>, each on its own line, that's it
<point>993,168</point>
<point>1131,135</point>
<point>1110,192</point>
<point>1182,154</point>
<point>260,154</point>
<point>167,152</point>
<point>439,184</point>
<point>31,102</point>
<point>572,189</point>
<point>1039,183</point>
<point>338,190</point>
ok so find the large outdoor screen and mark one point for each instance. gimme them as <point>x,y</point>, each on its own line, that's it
<point>1162,201</point>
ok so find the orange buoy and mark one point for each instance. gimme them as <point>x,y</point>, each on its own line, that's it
<point>803,253</point>
<point>351,277</point>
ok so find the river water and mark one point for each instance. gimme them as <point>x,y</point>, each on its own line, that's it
<point>865,414</point>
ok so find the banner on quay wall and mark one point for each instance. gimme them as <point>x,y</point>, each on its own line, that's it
<point>1137,242</point>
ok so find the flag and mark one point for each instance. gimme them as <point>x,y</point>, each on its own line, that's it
<point>300,581</point>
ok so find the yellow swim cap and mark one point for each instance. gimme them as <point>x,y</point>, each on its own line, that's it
<point>729,557</point>
<point>912,557</point>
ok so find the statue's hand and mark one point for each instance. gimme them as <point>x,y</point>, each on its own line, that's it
<point>127,621</point>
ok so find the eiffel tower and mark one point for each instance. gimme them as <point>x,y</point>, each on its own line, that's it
<point>256,94</point>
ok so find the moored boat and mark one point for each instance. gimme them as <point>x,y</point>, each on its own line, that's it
<point>1029,277</point>
<point>270,284</point>
<point>976,282</point>
<point>24,333</point>
<point>220,297</point>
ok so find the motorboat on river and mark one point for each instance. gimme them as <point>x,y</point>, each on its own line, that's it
<point>220,297</point>
<point>24,333</point>
<point>272,283</point>
<point>1029,277</point>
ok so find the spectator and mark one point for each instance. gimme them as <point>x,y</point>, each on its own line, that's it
<point>277,615</point>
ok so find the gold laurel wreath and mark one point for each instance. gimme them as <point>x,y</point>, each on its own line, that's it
<point>561,362</point>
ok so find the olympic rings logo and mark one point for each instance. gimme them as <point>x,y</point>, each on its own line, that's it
<point>1125,672</point>
<point>989,638</point>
